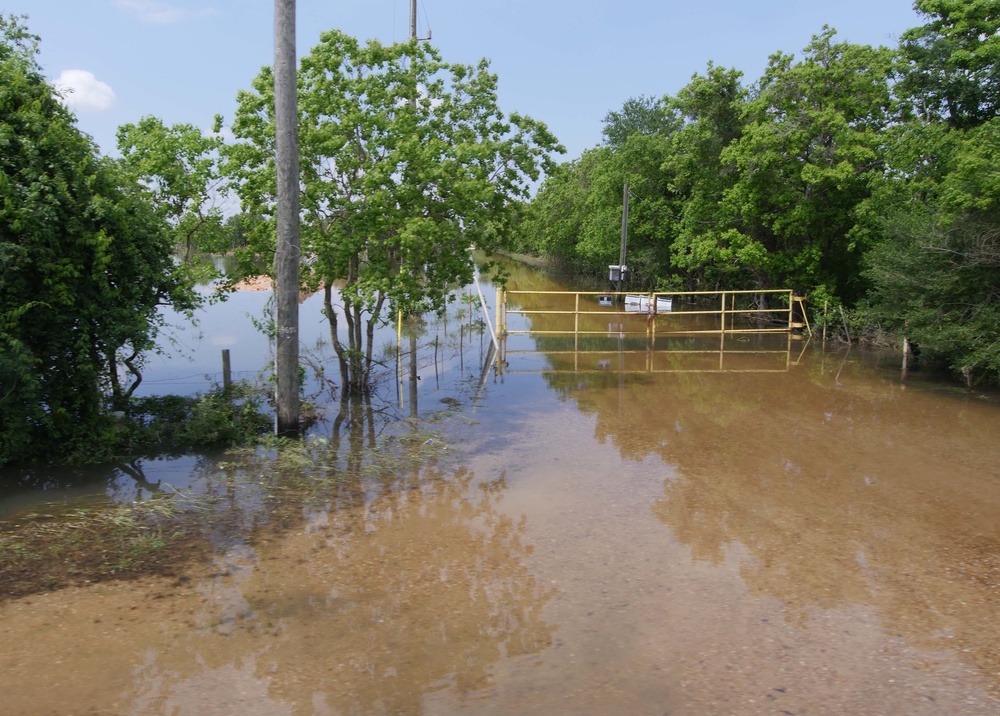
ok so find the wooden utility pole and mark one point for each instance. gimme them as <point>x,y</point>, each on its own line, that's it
<point>287,253</point>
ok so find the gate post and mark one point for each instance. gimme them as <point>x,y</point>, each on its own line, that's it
<point>496,313</point>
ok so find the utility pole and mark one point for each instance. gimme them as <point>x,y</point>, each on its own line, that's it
<point>413,327</point>
<point>413,23</point>
<point>621,253</point>
<point>287,252</point>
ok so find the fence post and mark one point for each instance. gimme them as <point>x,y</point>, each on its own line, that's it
<point>227,373</point>
<point>503,304</point>
<point>496,309</point>
<point>576,322</point>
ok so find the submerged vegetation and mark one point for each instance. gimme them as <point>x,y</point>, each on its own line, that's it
<point>169,425</point>
<point>253,493</point>
<point>87,545</point>
<point>174,424</point>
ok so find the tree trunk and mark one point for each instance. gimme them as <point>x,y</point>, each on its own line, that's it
<point>338,347</point>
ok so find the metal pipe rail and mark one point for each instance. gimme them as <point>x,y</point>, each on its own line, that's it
<point>727,312</point>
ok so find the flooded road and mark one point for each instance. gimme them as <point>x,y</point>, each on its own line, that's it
<point>816,540</point>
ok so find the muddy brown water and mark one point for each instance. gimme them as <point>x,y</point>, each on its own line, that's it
<point>817,539</point>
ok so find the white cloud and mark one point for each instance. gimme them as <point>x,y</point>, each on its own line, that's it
<point>161,13</point>
<point>82,91</point>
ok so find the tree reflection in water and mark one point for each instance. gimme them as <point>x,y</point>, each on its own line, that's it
<point>383,586</point>
<point>838,492</point>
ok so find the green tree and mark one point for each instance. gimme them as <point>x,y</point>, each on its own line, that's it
<point>951,64</point>
<point>939,285</point>
<point>555,216</point>
<point>936,276</point>
<point>86,263</point>
<point>639,115</point>
<point>405,162</point>
<point>713,107</point>
<point>577,212</point>
<point>805,162</point>
<point>640,163</point>
<point>178,168</point>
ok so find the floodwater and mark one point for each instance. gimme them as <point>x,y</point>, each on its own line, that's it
<point>800,535</point>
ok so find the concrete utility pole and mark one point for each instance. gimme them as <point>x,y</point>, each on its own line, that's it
<point>413,23</point>
<point>287,253</point>
<point>413,328</point>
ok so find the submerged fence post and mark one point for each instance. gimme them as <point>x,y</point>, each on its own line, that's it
<point>227,373</point>
<point>906,356</point>
<point>846,330</point>
<point>576,323</point>
<point>826,305</point>
<point>496,309</point>
<point>504,305</point>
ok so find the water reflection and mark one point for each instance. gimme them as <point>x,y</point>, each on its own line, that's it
<point>438,361</point>
<point>418,589</point>
<point>812,540</point>
<point>43,489</point>
<point>842,491</point>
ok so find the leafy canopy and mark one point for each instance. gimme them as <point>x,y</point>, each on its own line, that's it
<point>86,263</point>
<point>404,159</point>
<point>178,169</point>
<point>406,162</point>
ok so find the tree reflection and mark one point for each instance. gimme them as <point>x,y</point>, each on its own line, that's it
<point>841,491</point>
<point>395,581</point>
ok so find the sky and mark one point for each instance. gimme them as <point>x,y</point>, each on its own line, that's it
<point>564,63</point>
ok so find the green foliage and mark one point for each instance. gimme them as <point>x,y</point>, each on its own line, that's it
<point>173,424</point>
<point>576,214</point>
<point>866,177</point>
<point>805,162</point>
<point>406,163</point>
<point>86,264</point>
<point>713,107</point>
<point>554,219</point>
<point>937,281</point>
<point>733,188</point>
<point>936,276</point>
<point>177,167</point>
<point>639,115</point>
<point>950,66</point>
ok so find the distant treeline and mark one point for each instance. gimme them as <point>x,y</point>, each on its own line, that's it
<point>865,176</point>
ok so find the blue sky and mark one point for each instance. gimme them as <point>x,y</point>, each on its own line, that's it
<point>564,63</point>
